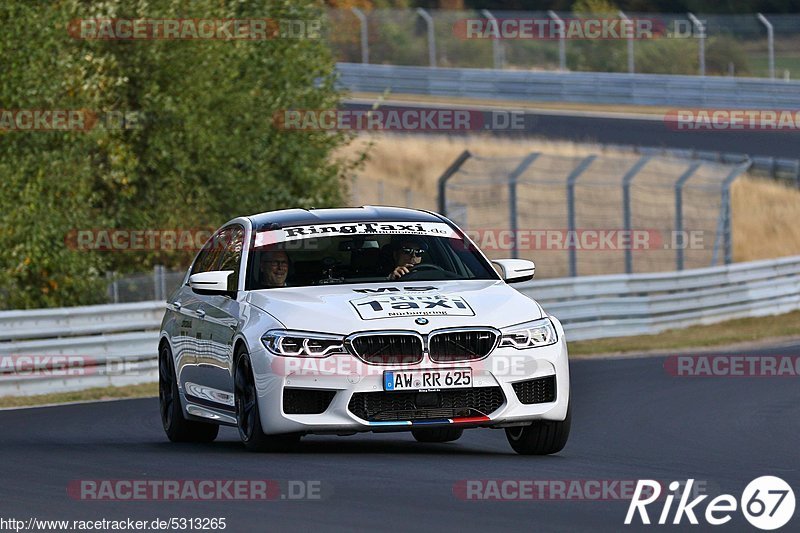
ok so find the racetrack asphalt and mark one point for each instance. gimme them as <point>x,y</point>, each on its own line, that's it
<point>617,128</point>
<point>631,420</point>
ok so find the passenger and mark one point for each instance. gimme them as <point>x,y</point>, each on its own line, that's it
<point>274,268</point>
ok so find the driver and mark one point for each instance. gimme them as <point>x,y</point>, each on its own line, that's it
<point>407,254</point>
<point>274,268</point>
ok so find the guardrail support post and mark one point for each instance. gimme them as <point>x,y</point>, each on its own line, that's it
<point>452,169</point>
<point>498,52</point>
<point>562,49</point>
<point>627,179</point>
<point>431,36</point>
<point>770,44</point>
<point>512,199</point>
<point>571,179</point>
<point>362,18</point>
<point>701,29</point>
<point>679,213</point>
<point>631,64</point>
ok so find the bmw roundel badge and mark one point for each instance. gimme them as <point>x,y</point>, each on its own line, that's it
<point>421,321</point>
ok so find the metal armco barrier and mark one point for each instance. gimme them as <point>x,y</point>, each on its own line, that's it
<point>121,339</point>
<point>583,87</point>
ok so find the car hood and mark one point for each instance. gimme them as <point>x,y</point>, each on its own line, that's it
<point>343,309</point>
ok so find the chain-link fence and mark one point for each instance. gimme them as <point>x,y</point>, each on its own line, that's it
<point>738,45</point>
<point>598,214</point>
<point>155,285</point>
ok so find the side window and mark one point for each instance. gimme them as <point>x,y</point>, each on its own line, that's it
<point>231,241</point>
<point>206,259</point>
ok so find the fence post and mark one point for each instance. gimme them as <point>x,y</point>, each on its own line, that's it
<point>679,212</point>
<point>362,18</point>
<point>431,36</point>
<point>627,179</point>
<point>724,221</point>
<point>562,47</point>
<point>571,179</point>
<point>498,52</point>
<point>452,169</point>
<point>702,50</point>
<point>156,282</point>
<point>770,44</point>
<point>512,199</point>
<point>631,63</point>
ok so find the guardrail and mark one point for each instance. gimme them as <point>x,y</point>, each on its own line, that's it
<point>117,344</point>
<point>593,307</point>
<point>582,87</point>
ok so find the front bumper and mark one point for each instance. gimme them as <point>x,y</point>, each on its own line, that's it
<point>343,376</point>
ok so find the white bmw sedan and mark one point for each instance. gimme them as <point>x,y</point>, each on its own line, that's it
<point>337,321</point>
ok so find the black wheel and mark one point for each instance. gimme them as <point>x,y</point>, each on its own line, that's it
<point>437,434</point>
<point>540,438</point>
<point>177,428</point>
<point>248,418</point>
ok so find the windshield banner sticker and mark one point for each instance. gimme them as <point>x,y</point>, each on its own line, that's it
<point>400,305</point>
<point>293,233</point>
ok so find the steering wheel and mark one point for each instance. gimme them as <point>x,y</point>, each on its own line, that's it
<point>423,267</point>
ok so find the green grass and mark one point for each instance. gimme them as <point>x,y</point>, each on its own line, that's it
<point>724,333</point>
<point>101,393</point>
<point>759,65</point>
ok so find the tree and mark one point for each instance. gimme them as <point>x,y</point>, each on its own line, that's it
<point>204,149</point>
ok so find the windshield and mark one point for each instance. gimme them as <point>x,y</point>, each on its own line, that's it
<point>377,252</point>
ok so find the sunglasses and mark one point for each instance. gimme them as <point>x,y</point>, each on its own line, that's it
<point>413,251</point>
<point>277,263</point>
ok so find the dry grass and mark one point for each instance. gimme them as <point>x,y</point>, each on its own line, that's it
<point>743,330</point>
<point>144,390</point>
<point>766,220</point>
<point>403,170</point>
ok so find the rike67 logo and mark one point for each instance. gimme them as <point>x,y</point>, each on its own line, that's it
<point>767,503</point>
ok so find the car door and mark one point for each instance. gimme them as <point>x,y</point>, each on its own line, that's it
<point>191,308</point>
<point>220,321</point>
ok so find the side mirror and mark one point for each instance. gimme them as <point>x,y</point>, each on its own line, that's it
<point>214,282</point>
<point>516,270</point>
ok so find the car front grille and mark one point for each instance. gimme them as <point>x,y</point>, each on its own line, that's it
<point>388,349</point>
<point>401,406</point>
<point>306,401</point>
<point>461,345</point>
<point>539,390</point>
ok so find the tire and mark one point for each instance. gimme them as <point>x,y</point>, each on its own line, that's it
<point>248,417</point>
<point>540,438</point>
<point>437,434</point>
<point>175,425</point>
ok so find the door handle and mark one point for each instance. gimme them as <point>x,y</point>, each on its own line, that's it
<point>201,313</point>
<point>177,305</point>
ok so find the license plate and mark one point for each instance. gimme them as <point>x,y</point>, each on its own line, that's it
<point>405,380</point>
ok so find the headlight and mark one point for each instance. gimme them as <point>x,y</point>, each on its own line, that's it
<point>302,344</point>
<point>529,335</point>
